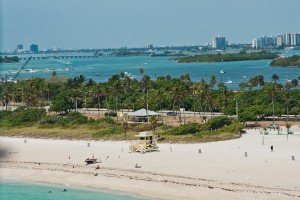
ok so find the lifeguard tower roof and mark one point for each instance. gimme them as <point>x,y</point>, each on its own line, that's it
<point>145,134</point>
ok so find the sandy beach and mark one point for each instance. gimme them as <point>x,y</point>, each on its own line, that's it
<point>177,171</point>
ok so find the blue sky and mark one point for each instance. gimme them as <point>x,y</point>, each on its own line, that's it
<point>117,23</point>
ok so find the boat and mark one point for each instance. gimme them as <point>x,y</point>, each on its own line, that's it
<point>222,72</point>
<point>89,161</point>
<point>229,82</point>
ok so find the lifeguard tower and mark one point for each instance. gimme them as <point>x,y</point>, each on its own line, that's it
<point>146,142</point>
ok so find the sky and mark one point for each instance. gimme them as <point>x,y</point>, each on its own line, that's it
<point>138,23</point>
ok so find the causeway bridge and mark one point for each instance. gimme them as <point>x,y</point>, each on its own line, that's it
<point>58,57</point>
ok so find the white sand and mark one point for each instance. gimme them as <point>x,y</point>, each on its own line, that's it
<point>220,172</point>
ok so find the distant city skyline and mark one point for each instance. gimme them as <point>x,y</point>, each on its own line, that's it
<point>137,23</point>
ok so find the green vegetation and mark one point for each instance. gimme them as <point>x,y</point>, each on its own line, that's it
<point>243,55</point>
<point>76,126</point>
<point>12,59</point>
<point>213,125</point>
<point>293,61</point>
<point>257,100</point>
<point>21,116</point>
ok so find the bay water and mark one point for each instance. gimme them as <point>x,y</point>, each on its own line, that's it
<point>14,190</point>
<point>100,69</point>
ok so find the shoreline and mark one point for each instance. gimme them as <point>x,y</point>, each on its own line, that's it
<point>73,187</point>
<point>177,171</point>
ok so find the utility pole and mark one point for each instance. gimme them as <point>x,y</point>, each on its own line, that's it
<point>147,109</point>
<point>237,109</point>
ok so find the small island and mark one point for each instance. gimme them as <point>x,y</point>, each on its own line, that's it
<point>12,59</point>
<point>293,61</point>
<point>241,56</point>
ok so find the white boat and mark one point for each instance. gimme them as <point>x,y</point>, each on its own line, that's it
<point>222,72</point>
<point>229,82</point>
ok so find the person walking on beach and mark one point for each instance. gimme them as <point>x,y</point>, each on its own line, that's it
<point>272,148</point>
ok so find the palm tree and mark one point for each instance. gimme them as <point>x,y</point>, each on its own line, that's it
<point>272,92</point>
<point>144,87</point>
<point>117,90</point>
<point>213,81</point>
<point>275,78</point>
<point>98,92</point>
<point>287,99</point>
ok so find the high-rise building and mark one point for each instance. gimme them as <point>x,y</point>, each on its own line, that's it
<point>287,39</point>
<point>150,46</point>
<point>34,48</point>
<point>279,40</point>
<point>256,43</point>
<point>295,39</point>
<point>20,47</point>
<point>219,42</point>
<point>265,41</point>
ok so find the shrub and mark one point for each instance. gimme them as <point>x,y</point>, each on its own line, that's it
<point>166,127</point>
<point>32,114</point>
<point>215,123</point>
<point>108,131</point>
<point>247,115</point>
<point>110,114</point>
<point>51,119</point>
<point>4,113</point>
<point>11,120</point>
<point>74,118</point>
<point>184,129</point>
<point>233,128</point>
<point>107,120</point>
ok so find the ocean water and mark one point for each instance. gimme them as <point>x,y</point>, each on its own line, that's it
<point>100,69</point>
<point>10,190</point>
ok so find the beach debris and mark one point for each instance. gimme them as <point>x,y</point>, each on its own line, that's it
<point>88,144</point>
<point>64,190</point>
<point>245,154</point>
<point>107,157</point>
<point>95,174</point>
<point>137,166</point>
<point>69,157</point>
<point>293,158</point>
<point>98,167</point>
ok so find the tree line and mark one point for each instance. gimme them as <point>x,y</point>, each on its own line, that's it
<point>293,61</point>
<point>256,98</point>
<point>219,57</point>
<point>12,59</point>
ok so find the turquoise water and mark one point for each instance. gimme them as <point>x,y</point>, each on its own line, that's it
<point>29,191</point>
<point>100,69</point>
